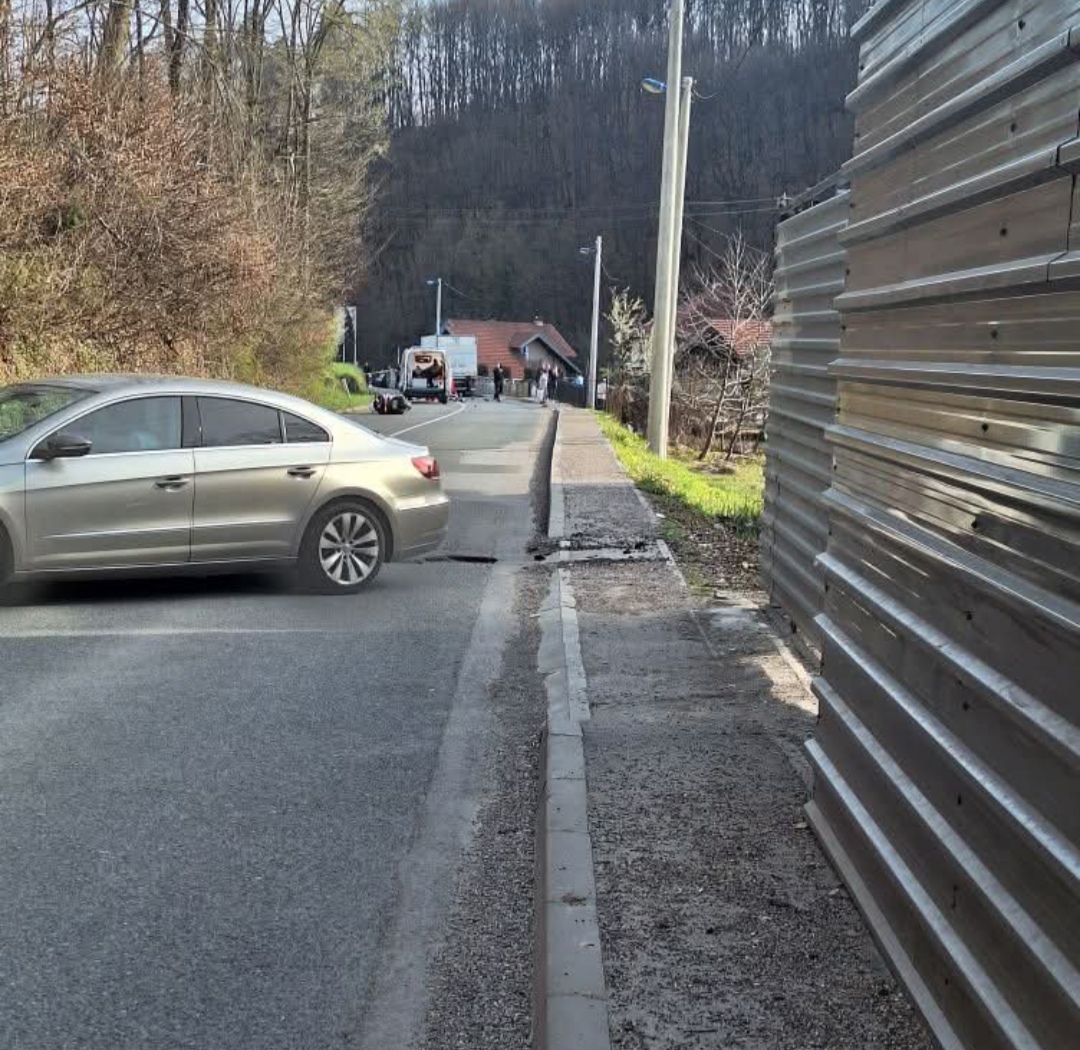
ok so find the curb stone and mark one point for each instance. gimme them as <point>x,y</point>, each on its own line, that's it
<point>557,513</point>
<point>570,1010</point>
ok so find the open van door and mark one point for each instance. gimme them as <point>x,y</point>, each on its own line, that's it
<point>426,375</point>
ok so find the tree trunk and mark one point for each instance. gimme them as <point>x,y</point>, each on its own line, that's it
<point>139,56</point>
<point>305,175</point>
<point>165,15</point>
<point>256,32</point>
<point>711,437</point>
<point>210,47</point>
<point>5,55</point>
<point>114,37</point>
<point>176,54</point>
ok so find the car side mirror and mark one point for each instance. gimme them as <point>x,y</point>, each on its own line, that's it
<point>62,446</point>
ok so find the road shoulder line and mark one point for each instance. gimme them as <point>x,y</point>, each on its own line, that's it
<point>428,422</point>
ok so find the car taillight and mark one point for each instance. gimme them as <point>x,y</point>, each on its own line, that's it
<point>428,466</point>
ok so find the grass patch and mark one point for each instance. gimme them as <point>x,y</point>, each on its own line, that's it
<point>333,393</point>
<point>734,496</point>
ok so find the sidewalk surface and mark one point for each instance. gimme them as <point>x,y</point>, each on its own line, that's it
<point>722,925</point>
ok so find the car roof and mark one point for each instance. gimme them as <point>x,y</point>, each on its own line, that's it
<point>116,383</point>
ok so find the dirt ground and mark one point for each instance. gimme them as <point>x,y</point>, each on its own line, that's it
<point>723,925</point>
<point>713,556</point>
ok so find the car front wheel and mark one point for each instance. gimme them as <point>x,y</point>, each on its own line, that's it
<point>344,548</point>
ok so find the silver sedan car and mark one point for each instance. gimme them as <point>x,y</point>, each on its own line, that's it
<point>130,475</point>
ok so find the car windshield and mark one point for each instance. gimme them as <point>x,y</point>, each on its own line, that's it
<point>23,406</point>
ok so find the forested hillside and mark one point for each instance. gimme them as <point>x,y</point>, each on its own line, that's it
<point>520,132</point>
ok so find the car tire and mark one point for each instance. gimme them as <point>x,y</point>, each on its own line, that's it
<point>343,549</point>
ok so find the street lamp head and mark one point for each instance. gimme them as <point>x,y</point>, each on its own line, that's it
<point>432,281</point>
<point>586,251</point>
<point>653,86</point>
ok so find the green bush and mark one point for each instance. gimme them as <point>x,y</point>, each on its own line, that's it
<point>343,387</point>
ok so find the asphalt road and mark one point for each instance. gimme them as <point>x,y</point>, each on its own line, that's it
<point>231,814</point>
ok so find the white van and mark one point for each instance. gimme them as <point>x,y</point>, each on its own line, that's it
<point>426,375</point>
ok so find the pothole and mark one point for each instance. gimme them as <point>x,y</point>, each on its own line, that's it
<point>463,559</point>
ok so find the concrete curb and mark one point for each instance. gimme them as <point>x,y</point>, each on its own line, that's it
<point>569,994</point>
<point>557,512</point>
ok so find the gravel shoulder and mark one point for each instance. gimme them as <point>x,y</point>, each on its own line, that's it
<point>723,925</point>
<point>481,986</point>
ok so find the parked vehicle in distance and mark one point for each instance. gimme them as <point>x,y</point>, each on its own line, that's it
<point>425,375</point>
<point>133,475</point>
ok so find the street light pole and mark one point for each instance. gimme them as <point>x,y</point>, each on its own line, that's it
<point>594,344</point>
<point>676,235</point>
<point>438,312</point>
<point>660,385</point>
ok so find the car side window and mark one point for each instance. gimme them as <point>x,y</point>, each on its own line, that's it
<point>226,422</point>
<point>299,430</point>
<point>144,424</point>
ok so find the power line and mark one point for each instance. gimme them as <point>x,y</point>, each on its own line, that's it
<point>582,211</point>
<point>606,221</point>
<point>746,200</point>
<point>458,291</point>
<point>724,233</point>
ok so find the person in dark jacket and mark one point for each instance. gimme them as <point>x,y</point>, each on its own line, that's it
<point>500,380</point>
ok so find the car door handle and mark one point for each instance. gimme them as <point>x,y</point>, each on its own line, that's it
<point>301,472</point>
<point>173,484</point>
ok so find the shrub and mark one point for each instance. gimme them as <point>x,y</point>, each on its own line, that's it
<point>123,247</point>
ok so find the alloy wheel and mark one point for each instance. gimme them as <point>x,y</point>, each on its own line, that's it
<point>349,548</point>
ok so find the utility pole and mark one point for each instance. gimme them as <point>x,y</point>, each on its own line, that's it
<point>438,312</point>
<point>594,345</point>
<point>660,383</point>
<point>676,235</point>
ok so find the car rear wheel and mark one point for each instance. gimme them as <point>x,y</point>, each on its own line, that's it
<point>344,548</point>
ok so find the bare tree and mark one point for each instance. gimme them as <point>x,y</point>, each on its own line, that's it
<point>628,387</point>
<point>114,36</point>
<point>193,183</point>
<point>723,337</point>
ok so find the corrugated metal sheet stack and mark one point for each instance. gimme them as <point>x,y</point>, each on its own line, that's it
<point>806,337</point>
<point>947,760</point>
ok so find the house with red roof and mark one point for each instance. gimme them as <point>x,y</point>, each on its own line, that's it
<point>701,329</point>
<point>517,346</point>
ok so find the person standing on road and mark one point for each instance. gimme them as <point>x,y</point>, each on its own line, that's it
<point>499,380</point>
<point>543,385</point>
